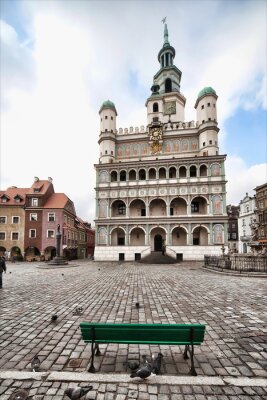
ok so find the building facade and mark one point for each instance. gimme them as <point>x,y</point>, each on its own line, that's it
<point>246,218</point>
<point>29,220</point>
<point>163,184</point>
<point>233,214</point>
<point>260,224</point>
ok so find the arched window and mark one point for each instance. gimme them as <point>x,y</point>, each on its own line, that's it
<point>168,85</point>
<point>193,171</point>
<point>155,107</point>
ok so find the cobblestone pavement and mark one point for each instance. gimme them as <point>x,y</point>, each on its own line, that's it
<point>232,307</point>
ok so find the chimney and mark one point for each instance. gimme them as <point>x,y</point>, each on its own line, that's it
<point>50,179</point>
<point>36,179</point>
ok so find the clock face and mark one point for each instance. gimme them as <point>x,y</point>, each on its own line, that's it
<point>155,134</point>
<point>170,108</point>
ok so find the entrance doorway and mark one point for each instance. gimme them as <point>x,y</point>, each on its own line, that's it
<point>158,243</point>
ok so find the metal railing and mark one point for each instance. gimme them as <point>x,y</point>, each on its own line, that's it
<point>241,264</point>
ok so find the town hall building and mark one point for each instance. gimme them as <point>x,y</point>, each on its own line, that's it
<point>161,186</point>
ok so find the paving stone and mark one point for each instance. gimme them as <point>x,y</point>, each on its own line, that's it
<point>231,307</point>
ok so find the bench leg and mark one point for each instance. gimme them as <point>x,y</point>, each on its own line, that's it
<point>92,368</point>
<point>192,368</point>
<point>97,351</point>
<point>185,352</point>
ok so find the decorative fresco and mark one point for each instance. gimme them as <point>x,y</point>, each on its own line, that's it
<point>218,234</point>
<point>215,170</point>
<point>217,204</point>
<point>169,146</point>
<point>102,235</point>
<point>103,176</point>
<point>103,204</point>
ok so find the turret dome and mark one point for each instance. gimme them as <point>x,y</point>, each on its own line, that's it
<point>108,104</point>
<point>206,90</point>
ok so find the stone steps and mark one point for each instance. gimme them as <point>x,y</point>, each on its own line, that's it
<point>156,257</point>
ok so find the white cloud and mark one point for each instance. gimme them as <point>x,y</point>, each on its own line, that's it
<point>243,179</point>
<point>84,52</point>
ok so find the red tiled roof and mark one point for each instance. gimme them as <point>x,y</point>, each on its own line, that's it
<point>11,193</point>
<point>57,200</point>
<point>41,185</point>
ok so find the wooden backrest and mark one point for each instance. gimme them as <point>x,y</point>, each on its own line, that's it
<point>143,333</point>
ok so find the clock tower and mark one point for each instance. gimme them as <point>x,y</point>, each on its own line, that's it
<point>166,103</point>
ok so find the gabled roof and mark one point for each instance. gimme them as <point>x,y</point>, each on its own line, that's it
<point>12,193</point>
<point>40,185</point>
<point>57,200</point>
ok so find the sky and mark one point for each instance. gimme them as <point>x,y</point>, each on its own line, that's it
<point>61,59</point>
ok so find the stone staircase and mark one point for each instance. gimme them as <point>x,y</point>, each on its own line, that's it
<point>156,257</point>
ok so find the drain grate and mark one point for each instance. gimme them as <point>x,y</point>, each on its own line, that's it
<point>74,363</point>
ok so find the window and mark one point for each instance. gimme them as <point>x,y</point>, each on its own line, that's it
<point>111,118</point>
<point>32,233</point>
<point>50,233</point>
<point>106,117</point>
<point>234,235</point>
<point>106,152</point>
<point>14,236</point>
<point>155,107</point>
<point>168,85</point>
<point>203,121</point>
<point>210,142</point>
<point>233,226</point>
<point>208,104</point>
<point>15,220</point>
<point>51,217</point>
<point>194,207</point>
<point>2,235</point>
<point>171,211</point>
<point>204,144</point>
<point>36,190</point>
<point>143,212</point>
<point>121,209</point>
<point>33,217</point>
<point>2,220</point>
<point>17,199</point>
<point>202,107</point>
<point>34,202</point>
<point>121,241</point>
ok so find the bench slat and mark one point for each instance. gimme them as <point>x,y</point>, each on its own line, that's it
<point>171,334</point>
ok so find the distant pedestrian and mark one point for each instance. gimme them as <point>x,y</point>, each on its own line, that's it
<point>2,269</point>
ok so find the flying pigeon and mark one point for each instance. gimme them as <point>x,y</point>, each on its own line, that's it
<point>54,317</point>
<point>77,392</point>
<point>156,364</point>
<point>143,372</point>
<point>35,363</point>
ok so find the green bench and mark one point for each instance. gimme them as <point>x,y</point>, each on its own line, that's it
<point>161,334</point>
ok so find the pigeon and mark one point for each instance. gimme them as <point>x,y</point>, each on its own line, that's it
<point>35,364</point>
<point>156,364</point>
<point>79,310</point>
<point>77,392</point>
<point>143,372</point>
<point>54,317</point>
<point>20,394</point>
<point>133,364</point>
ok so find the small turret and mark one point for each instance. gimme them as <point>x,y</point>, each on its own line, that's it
<point>207,121</point>
<point>106,141</point>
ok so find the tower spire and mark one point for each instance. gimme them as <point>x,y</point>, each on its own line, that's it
<point>166,36</point>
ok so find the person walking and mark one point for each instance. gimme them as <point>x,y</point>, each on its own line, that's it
<point>2,269</point>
